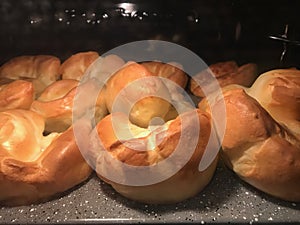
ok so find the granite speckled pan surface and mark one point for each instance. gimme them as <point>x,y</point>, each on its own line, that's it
<point>216,30</point>
<point>225,200</point>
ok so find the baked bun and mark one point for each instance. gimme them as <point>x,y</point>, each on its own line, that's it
<point>18,94</point>
<point>173,73</point>
<point>226,73</point>
<point>160,150</point>
<point>33,167</point>
<point>55,104</point>
<point>278,91</point>
<point>169,71</point>
<point>256,147</point>
<point>42,70</point>
<point>76,65</point>
<point>136,88</point>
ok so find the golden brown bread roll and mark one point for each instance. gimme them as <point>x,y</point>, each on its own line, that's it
<point>172,72</point>
<point>136,87</point>
<point>55,104</point>
<point>42,70</point>
<point>226,73</point>
<point>169,71</point>
<point>278,91</point>
<point>33,167</point>
<point>159,151</point>
<point>257,148</point>
<point>18,94</point>
<point>76,65</point>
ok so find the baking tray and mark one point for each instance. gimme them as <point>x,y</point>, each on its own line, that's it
<point>216,31</point>
<point>225,200</point>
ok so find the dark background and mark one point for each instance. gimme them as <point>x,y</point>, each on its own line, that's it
<point>215,30</point>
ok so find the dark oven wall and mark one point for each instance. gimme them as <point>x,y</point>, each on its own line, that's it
<point>215,30</point>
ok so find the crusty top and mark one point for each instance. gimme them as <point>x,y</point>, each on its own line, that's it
<point>76,65</point>
<point>226,73</point>
<point>17,94</point>
<point>169,71</point>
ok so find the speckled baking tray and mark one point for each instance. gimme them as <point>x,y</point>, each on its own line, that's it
<point>225,200</point>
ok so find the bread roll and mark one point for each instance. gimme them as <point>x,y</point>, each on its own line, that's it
<point>35,168</point>
<point>75,66</point>
<point>173,72</point>
<point>226,73</point>
<point>42,70</point>
<point>138,90</point>
<point>55,104</point>
<point>278,91</point>
<point>256,147</point>
<point>18,94</point>
<point>139,147</point>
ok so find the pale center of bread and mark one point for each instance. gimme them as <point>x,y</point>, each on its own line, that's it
<point>139,138</point>
<point>22,138</point>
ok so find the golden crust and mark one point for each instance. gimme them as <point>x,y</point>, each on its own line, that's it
<point>226,73</point>
<point>169,71</point>
<point>76,65</point>
<point>17,94</point>
<point>257,148</point>
<point>55,104</point>
<point>185,183</point>
<point>127,83</point>
<point>278,91</point>
<point>174,73</point>
<point>57,90</point>
<point>42,70</point>
<point>35,168</point>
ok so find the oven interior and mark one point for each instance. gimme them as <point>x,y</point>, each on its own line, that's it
<point>263,32</point>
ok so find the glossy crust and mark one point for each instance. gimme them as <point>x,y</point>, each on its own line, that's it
<point>278,91</point>
<point>18,94</point>
<point>35,168</point>
<point>75,66</point>
<point>55,104</point>
<point>173,72</point>
<point>42,70</point>
<point>144,95</point>
<point>226,73</point>
<point>169,71</point>
<point>185,183</point>
<point>257,148</point>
